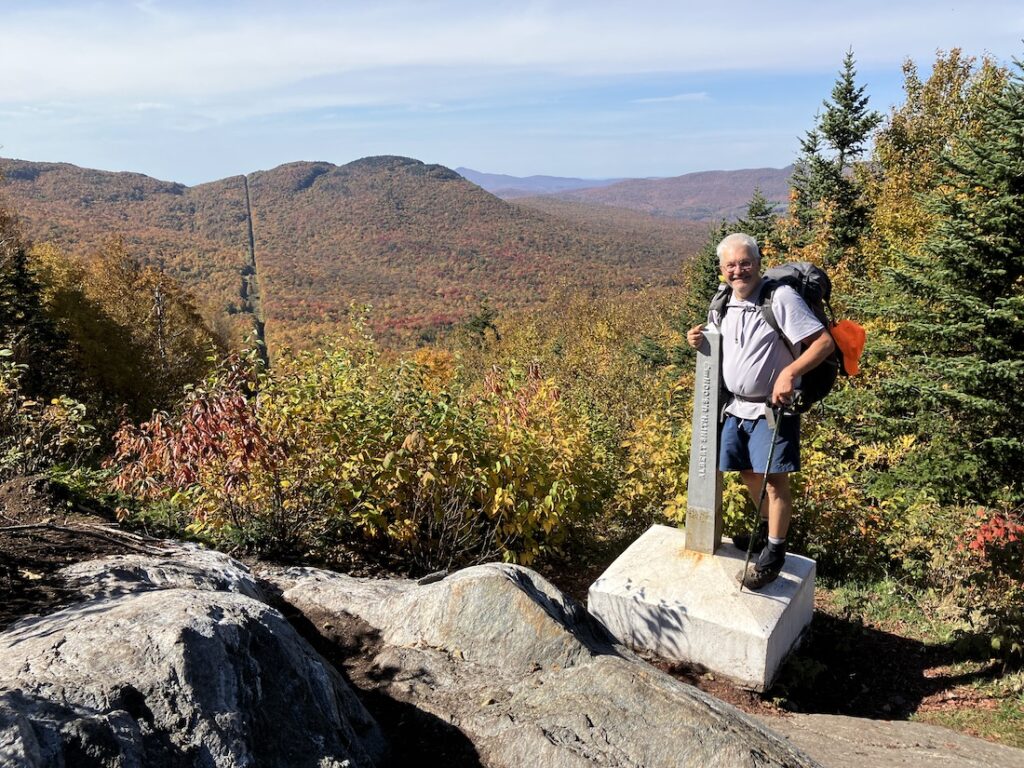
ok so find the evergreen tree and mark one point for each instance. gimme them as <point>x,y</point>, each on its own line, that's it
<point>956,310</point>
<point>482,321</point>
<point>808,186</point>
<point>827,194</point>
<point>701,276</point>
<point>704,274</point>
<point>847,122</point>
<point>24,328</point>
<point>760,222</point>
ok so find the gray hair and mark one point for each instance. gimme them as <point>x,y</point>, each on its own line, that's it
<point>739,239</point>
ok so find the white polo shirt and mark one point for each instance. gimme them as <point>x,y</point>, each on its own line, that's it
<point>753,355</point>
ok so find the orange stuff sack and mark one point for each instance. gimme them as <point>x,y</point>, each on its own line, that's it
<point>850,338</point>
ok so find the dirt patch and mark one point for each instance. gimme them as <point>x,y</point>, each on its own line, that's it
<point>41,531</point>
<point>845,667</point>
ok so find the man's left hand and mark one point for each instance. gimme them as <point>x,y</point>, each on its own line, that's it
<point>782,393</point>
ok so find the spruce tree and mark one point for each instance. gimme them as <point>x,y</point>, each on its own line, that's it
<point>24,328</point>
<point>847,122</point>
<point>808,174</point>
<point>826,191</point>
<point>956,309</point>
<point>760,222</point>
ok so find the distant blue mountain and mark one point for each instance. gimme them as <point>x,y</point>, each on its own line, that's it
<point>701,196</point>
<point>507,187</point>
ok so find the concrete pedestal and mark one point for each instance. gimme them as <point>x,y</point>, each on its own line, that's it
<point>687,606</point>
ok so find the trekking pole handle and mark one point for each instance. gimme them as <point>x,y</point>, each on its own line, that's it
<point>790,407</point>
<point>795,401</point>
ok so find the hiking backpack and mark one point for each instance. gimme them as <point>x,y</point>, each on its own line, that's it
<point>813,286</point>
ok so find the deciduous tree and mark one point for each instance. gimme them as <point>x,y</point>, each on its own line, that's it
<point>936,113</point>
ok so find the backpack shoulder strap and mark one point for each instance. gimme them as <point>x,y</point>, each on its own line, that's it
<point>720,302</point>
<point>764,302</point>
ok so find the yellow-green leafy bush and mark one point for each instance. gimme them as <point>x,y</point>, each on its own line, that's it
<point>339,445</point>
<point>37,434</point>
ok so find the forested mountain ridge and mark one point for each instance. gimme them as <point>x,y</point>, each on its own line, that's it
<point>197,234</point>
<point>418,242</point>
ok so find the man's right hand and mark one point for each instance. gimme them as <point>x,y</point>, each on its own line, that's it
<point>695,335</point>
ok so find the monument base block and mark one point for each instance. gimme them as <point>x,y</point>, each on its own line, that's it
<point>687,606</point>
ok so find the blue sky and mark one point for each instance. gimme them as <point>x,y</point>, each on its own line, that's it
<point>195,91</point>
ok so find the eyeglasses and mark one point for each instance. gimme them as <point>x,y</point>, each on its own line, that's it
<point>738,266</point>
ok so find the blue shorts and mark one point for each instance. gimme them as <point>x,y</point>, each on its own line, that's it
<point>745,444</point>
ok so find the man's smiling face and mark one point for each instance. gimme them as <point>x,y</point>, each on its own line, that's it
<point>741,270</point>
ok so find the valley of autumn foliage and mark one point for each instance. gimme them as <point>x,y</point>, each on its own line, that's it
<point>419,243</point>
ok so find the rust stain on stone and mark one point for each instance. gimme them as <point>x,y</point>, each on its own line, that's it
<point>685,554</point>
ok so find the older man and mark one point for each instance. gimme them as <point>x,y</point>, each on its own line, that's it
<point>759,371</point>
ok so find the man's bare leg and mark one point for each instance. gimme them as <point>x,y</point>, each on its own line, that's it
<point>779,500</point>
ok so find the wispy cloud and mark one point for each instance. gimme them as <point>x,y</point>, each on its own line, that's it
<point>193,88</point>
<point>695,96</point>
<point>199,51</point>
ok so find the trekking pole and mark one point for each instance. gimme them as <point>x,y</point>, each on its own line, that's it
<point>777,414</point>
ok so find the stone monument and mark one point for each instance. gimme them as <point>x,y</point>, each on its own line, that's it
<point>677,594</point>
<point>704,487</point>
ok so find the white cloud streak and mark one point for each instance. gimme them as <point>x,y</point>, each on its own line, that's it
<point>150,51</point>
<point>196,89</point>
<point>679,97</point>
